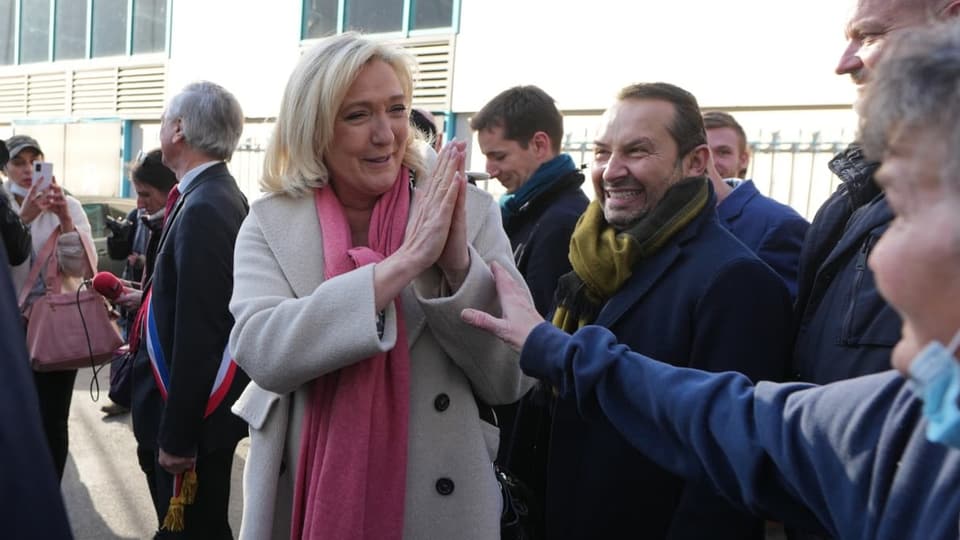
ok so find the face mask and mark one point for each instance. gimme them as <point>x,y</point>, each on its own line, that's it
<point>935,378</point>
<point>17,189</point>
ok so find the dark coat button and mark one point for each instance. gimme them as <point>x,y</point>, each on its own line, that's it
<point>445,486</point>
<point>441,402</point>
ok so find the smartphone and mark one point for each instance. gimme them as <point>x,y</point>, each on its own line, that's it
<point>42,175</point>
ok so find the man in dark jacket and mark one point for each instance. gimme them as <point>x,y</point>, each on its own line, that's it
<point>519,132</point>
<point>184,381</point>
<point>873,457</point>
<point>652,263</point>
<point>773,230</point>
<point>844,328</point>
<point>16,236</point>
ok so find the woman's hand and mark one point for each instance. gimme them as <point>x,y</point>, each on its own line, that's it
<point>436,201</point>
<point>428,230</point>
<point>57,203</point>
<point>454,261</point>
<point>33,204</point>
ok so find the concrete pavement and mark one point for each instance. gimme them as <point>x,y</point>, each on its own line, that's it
<point>104,490</point>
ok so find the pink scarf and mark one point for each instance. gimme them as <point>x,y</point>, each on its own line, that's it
<point>351,476</point>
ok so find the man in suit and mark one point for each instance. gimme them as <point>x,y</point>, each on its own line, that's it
<point>652,263</point>
<point>183,379</point>
<point>774,231</point>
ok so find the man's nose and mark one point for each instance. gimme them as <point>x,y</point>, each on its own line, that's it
<point>614,168</point>
<point>850,61</point>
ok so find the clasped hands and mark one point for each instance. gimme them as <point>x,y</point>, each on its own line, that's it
<point>437,232</point>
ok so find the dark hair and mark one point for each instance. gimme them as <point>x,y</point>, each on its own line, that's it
<point>522,111</point>
<point>4,155</point>
<point>687,126</point>
<point>719,119</point>
<point>423,125</point>
<point>151,171</point>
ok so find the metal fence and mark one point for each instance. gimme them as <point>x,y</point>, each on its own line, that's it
<point>246,165</point>
<point>793,171</point>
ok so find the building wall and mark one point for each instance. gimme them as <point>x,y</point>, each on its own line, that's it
<point>756,58</point>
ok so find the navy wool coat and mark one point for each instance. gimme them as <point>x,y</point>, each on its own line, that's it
<point>703,301</point>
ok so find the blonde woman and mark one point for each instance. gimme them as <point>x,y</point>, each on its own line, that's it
<point>348,284</point>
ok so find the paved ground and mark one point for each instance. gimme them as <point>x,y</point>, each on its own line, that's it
<point>104,490</point>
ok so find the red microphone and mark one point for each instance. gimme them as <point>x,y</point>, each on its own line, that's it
<point>108,285</point>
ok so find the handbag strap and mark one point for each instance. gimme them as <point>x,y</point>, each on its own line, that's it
<point>88,250</point>
<point>38,263</point>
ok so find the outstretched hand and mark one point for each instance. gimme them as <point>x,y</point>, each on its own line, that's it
<point>520,315</point>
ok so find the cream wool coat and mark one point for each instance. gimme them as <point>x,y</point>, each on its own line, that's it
<point>292,326</point>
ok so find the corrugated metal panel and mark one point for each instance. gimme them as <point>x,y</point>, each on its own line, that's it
<point>434,55</point>
<point>141,91</point>
<point>94,92</point>
<point>131,92</point>
<point>13,96</point>
<point>47,94</point>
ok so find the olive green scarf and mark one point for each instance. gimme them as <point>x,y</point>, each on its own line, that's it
<point>603,259</point>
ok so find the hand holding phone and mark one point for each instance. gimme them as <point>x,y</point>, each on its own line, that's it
<point>42,175</point>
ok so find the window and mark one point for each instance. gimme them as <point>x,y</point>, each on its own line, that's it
<point>34,31</point>
<point>149,26</point>
<point>431,14</point>
<point>70,38</point>
<point>50,30</point>
<point>109,27</point>
<point>319,18</point>
<point>374,16</point>
<point>325,17</point>
<point>8,11</point>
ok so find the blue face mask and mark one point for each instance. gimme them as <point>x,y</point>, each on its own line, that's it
<point>935,378</point>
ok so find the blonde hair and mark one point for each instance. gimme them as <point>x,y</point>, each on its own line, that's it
<point>293,163</point>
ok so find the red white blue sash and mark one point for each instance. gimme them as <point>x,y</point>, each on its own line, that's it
<point>161,371</point>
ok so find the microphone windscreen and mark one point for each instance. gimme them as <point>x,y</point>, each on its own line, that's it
<point>108,285</point>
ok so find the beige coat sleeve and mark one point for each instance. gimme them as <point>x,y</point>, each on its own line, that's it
<point>282,341</point>
<point>492,367</point>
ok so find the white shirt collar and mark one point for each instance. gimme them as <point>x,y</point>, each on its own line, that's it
<point>193,173</point>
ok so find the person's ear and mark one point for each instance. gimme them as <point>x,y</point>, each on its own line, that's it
<point>542,145</point>
<point>744,161</point>
<point>696,161</point>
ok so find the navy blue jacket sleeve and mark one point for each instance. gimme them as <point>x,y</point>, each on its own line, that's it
<point>780,248</point>
<point>31,505</point>
<point>789,451</point>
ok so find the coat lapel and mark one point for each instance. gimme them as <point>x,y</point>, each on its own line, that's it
<point>646,274</point>
<point>300,255</point>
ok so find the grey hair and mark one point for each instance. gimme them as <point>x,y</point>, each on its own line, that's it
<point>210,117</point>
<point>917,85</point>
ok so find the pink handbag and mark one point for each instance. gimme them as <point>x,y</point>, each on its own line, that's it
<point>66,330</point>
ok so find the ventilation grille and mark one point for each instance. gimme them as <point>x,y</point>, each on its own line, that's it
<point>434,56</point>
<point>130,92</point>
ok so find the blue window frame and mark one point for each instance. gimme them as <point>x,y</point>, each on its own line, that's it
<point>49,30</point>
<point>403,17</point>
